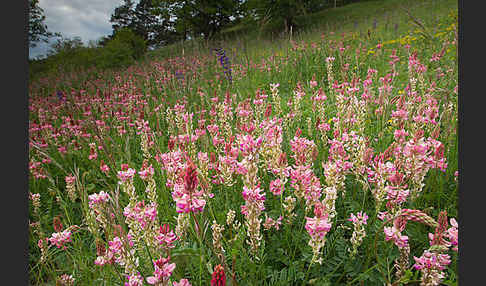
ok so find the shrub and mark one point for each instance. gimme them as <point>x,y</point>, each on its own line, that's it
<point>135,43</point>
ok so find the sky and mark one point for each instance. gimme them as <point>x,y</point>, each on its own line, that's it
<point>88,19</point>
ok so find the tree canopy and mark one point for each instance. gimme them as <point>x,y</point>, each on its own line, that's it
<point>161,22</point>
<point>37,28</point>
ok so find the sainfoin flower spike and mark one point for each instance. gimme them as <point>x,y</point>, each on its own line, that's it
<point>182,282</point>
<point>359,232</point>
<point>317,227</point>
<point>218,277</point>
<point>163,270</point>
<point>60,239</point>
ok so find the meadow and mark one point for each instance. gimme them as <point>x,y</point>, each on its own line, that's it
<point>323,157</point>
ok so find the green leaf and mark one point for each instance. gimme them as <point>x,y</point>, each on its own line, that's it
<point>184,252</point>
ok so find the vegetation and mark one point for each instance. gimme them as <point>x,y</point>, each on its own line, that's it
<point>38,30</point>
<point>325,156</point>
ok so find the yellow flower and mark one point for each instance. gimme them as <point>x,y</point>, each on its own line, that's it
<point>329,121</point>
<point>371,52</point>
<point>439,34</point>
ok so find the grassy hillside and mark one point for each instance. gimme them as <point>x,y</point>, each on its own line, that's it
<point>324,157</point>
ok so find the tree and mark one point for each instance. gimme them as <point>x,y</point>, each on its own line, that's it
<point>206,17</point>
<point>286,11</point>
<point>66,46</point>
<point>122,16</point>
<point>146,19</point>
<point>37,28</point>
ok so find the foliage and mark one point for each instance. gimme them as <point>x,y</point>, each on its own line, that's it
<point>84,126</point>
<point>149,21</point>
<point>67,54</point>
<point>285,11</point>
<point>206,17</point>
<point>136,44</point>
<point>37,28</point>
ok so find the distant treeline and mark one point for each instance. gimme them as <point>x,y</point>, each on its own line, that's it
<point>157,23</point>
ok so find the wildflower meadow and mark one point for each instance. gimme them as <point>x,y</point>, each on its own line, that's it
<point>325,157</point>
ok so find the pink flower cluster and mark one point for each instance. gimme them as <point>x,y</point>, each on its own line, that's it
<point>104,168</point>
<point>141,213</point>
<point>424,154</point>
<point>98,199</point>
<point>394,233</point>
<point>146,172</point>
<point>116,251</point>
<point>186,202</point>
<point>248,144</point>
<point>185,194</point>
<point>134,280</point>
<point>452,234</point>
<point>360,218</point>
<point>305,183</point>
<point>126,174</point>
<point>163,270</point>
<point>182,282</point>
<point>303,149</point>
<point>272,132</point>
<point>172,163</point>
<point>432,260</point>
<point>318,226</point>
<point>59,239</point>
<point>270,222</point>
<point>277,187</point>
<point>252,197</point>
<point>166,237</point>
<point>70,179</point>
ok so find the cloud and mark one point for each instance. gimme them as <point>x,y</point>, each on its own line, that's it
<point>88,19</point>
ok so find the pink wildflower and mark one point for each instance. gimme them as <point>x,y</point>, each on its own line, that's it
<point>317,227</point>
<point>395,234</point>
<point>253,196</point>
<point>276,187</point>
<point>126,175</point>
<point>360,218</point>
<point>183,282</point>
<point>59,239</point>
<point>104,168</point>
<point>452,234</point>
<point>431,260</point>
<point>134,280</point>
<point>166,237</point>
<point>163,270</point>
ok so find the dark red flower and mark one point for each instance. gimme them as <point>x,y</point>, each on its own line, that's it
<point>298,132</point>
<point>170,145</point>
<point>218,278</point>
<point>57,224</point>
<point>268,111</point>
<point>441,228</point>
<point>100,248</point>
<point>282,160</point>
<point>190,178</point>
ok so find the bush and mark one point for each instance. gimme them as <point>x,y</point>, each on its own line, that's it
<point>136,44</point>
<point>70,54</point>
<point>123,49</point>
<point>115,54</point>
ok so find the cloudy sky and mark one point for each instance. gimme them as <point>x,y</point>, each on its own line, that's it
<point>88,19</point>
